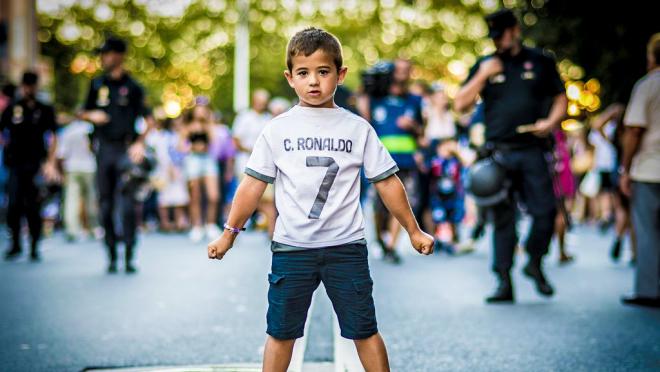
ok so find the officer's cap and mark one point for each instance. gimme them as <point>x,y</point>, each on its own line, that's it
<point>499,21</point>
<point>113,44</point>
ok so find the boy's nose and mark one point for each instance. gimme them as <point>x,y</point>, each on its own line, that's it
<point>313,79</point>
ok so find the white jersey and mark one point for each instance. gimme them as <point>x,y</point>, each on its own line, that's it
<point>314,157</point>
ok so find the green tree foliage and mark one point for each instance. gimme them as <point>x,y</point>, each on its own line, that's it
<point>192,52</point>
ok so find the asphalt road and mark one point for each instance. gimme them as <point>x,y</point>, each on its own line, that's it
<point>67,314</point>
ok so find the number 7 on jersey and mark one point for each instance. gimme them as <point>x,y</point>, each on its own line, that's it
<point>326,184</point>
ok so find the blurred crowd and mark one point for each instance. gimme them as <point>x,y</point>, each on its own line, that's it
<point>198,160</point>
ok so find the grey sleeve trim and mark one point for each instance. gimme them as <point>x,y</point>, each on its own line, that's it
<point>384,175</point>
<point>259,176</point>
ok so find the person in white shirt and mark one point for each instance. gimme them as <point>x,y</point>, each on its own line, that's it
<point>79,165</point>
<point>640,177</point>
<point>247,127</point>
<point>314,153</point>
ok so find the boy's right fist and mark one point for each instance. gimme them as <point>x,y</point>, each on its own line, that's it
<point>422,242</point>
<point>219,247</point>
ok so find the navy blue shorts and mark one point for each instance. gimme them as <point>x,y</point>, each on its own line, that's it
<point>344,271</point>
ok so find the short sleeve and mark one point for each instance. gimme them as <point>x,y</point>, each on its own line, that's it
<point>472,72</point>
<point>261,165</point>
<point>62,144</point>
<point>636,114</point>
<point>378,163</point>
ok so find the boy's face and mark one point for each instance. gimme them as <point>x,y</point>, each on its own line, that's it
<point>315,79</point>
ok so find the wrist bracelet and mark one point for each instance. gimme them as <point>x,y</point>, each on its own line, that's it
<point>233,230</point>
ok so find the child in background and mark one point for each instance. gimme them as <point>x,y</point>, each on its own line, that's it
<point>170,180</point>
<point>201,171</point>
<point>447,194</point>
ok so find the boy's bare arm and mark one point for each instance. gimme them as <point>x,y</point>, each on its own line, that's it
<point>394,197</point>
<point>243,206</point>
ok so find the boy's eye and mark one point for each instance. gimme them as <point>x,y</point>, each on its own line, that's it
<point>324,72</point>
<point>302,73</point>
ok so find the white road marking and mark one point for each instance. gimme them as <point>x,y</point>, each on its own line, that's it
<point>346,356</point>
<point>298,356</point>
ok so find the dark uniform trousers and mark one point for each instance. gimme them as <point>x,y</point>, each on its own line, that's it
<point>109,157</point>
<point>532,183</point>
<point>23,196</point>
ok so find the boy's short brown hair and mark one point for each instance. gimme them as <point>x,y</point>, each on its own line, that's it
<point>310,40</point>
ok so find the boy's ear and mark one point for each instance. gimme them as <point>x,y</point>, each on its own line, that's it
<point>342,75</point>
<point>289,78</point>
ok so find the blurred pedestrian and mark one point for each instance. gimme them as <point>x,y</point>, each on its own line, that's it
<point>246,129</point>
<point>26,154</point>
<point>640,177</point>
<point>516,83</point>
<point>397,119</point>
<point>614,113</point>
<point>78,163</point>
<point>278,105</point>
<point>201,171</point>
<point>564,188</point>
<point>223,150</point>
<point>169,176</point>
<point>601,137</point>
<point>248,125</point>
<point>114,103</point>
<point>447,198</point>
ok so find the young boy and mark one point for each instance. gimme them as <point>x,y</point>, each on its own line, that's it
<point>313,153</point>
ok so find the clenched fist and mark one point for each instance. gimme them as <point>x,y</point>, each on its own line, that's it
<point>219,247</point>
<point>422,242</point>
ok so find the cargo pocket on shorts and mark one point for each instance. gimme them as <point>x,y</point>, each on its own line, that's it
<point>363,287</point>
<point>275,279</point>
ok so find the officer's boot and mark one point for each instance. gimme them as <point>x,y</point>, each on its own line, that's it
<point>34,251</point>
<point>504,291</point>
<point>130,250</point>
<point>112,253</point>
<point>533,271</point>
<point>13,252</point>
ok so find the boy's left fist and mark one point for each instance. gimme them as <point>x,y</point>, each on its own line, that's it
<point>422,242</point>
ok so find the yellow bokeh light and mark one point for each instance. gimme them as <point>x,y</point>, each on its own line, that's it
<point>595,105</point>
<point>172,108</point>
<point>571,125</point>
<point>593,85</point>
<point>573,109</point>
<point>586,99</point>
<point>573,92</point>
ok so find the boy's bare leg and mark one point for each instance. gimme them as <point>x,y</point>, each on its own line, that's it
<point>277,354</point>
<point>373,354</point>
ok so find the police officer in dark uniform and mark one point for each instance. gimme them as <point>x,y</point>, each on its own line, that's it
<point>114,103</point>
<point>524,101</point>
<point>26,155</point>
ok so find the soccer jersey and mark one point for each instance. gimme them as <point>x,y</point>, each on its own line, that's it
<point>314,157</point>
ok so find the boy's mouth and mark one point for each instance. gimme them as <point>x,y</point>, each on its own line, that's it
<point>314,93</point>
